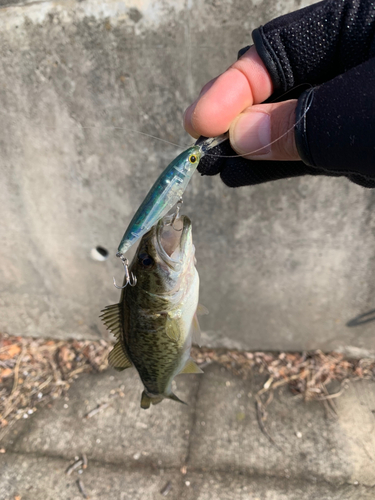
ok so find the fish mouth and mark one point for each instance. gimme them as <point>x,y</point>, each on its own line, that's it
<point>173,240</point>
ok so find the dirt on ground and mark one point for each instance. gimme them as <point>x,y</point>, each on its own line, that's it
<point>34,372</point>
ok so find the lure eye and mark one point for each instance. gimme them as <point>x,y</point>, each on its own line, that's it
<point>192,159</point>
<point>146,261</point>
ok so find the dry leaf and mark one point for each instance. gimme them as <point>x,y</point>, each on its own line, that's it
<point>6,372</point>
<point>10,352</point>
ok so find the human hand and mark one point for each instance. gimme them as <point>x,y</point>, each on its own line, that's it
<point>232,102</point>
<point>328,47</point>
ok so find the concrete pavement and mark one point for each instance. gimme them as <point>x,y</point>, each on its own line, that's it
<point>211,449</point>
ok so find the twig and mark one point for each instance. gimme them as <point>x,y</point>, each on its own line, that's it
<point>166,489</point>
<point>81,489</point>
<point>96,410</point>
<point>45,383</point>
<point>77,464</point>
<point>16,370</point>
<point>260,415</point>
<point>279,383</point>
<point>329,403</point>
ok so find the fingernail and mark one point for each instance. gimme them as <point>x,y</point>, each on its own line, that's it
<point>251,133</point>
<point>187,122</point>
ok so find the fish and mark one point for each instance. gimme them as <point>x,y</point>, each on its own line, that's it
<point>155,322</point>
<point>167,190</point>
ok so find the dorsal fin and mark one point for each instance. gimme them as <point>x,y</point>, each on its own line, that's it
<point>118,359</point>
<point>191,367</point>
<point>201,310</point>
<point>195,331</point>
<point>112,318</point>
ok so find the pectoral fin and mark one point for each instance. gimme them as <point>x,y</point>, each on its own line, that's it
<point>172,329</point>
<point>191,367</point>
<point>118,359</point>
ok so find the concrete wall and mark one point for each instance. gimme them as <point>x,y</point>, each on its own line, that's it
<point>284,265</point>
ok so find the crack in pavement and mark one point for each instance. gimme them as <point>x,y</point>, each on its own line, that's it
<point>150,468</point>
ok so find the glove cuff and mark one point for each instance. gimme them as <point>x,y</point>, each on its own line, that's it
<point>300,129</point>
<point>270,60</point>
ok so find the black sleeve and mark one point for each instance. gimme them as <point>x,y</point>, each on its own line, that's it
<point>317,43</point>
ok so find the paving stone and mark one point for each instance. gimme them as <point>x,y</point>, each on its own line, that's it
<point>43,478</point>
<point>217,438</point>
<point>308,443</point>
<point>121,433</point>
<point>226,486</point>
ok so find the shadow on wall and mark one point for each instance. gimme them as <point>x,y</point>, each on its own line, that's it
<point>362,319</point>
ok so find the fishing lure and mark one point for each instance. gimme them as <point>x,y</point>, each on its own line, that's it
<point>166,191</point>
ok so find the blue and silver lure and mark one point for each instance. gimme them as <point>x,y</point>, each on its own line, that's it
<point>166,191</point>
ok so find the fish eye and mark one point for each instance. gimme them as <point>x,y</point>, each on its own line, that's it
<point>146,261</point>
<point>192,159</point>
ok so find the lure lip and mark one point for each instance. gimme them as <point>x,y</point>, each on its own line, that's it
<point>207,143</point>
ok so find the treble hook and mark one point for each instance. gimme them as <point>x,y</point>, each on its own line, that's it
<point>176,214</point>
<point>130,279</point>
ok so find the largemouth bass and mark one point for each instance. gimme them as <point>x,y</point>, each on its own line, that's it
<point>155,322</point>
<point>167,190</point>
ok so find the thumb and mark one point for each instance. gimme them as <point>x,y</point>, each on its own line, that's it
<point>266,132</point>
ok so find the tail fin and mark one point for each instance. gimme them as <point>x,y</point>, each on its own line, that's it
<point>146,401</point>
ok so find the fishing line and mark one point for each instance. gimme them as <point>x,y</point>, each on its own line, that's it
<point>136,132</point>
<point>291,90</point>
<point>278,138</point>
<point>185,146</point>
<point>109,127</point>
<point>112,127</point>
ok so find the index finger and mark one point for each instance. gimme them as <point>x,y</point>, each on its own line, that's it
<point>245,83</point>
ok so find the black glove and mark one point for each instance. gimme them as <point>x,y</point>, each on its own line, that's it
<point>335,122</point>
<point>238,171</point>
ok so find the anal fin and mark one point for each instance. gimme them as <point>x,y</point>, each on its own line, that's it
<point>175,398</point>
<point>191,367</point>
